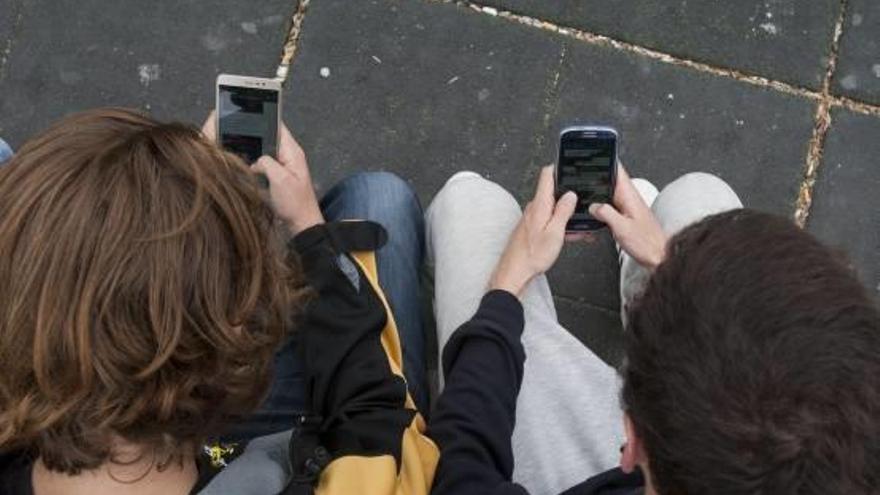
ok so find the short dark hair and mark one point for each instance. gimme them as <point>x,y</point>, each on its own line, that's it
<point>143,290</point>
<point>753,364</point>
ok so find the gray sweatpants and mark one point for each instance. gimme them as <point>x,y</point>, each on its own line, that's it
<point>569,424</point>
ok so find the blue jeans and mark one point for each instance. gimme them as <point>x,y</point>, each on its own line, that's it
<point>5,151</point>
<point>388,200</point>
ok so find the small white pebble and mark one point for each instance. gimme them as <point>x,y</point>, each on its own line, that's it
<point>740,123</point>
<point>325,72</point>
<point>876,70</point>
<point>670,96</point>
<point>377,59</point>
<point>769,28</point>
<point>148,73</point>
<point>490,10</point>
<point>681,115</point>
<point>249,27</point>
<point>451,81</point>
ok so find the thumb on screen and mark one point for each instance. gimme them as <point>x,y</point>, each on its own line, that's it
<point>607,214</point>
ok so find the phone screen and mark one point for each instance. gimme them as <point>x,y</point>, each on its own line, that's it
<point>248,124</point>
<point>586,166</point>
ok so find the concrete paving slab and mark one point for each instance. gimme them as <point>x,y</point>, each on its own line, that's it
<point>846,204</point>
<point>159,56</point>
<point>420,89</point>
<point>788,40</point>
<point>858,67</point>
<point>11,14</point>
<point>428,89</point>
<point>673,121</point>
<point>10,10</point>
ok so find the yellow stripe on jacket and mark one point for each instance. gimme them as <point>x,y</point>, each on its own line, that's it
<point>419,454</point>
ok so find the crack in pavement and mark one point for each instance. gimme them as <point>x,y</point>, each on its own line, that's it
<point>607,41</point>
<point>291,43</point>
<point>820,128</point>
<point>855,105</point>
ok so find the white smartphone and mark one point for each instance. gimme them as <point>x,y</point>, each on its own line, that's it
<point>248,115</point>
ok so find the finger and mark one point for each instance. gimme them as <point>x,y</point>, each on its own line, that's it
<point>545,185</point>
<point>288,147</point>
<point>544,191</point>
<point>267,166</point>
<point>562,212</point>
<point>626,196</point>
<point>604,212</point>
<point>209,128</point>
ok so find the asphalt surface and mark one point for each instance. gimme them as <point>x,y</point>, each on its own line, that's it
<point>426,88</point>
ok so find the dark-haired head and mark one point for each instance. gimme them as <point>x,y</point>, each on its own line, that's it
<point>753,365</point>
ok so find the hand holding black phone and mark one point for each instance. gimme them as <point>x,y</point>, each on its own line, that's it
<point>587,165</point>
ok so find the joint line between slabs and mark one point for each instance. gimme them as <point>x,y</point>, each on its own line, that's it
<point>291,43</point>
<point>607,41</point>
<point>821,125</point>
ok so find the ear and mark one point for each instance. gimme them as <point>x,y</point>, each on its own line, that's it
<point>632,454</point>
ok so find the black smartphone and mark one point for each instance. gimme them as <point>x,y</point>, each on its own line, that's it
<point>248,115</point>
<point>587,165</point>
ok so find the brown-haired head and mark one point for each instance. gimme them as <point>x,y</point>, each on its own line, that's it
<point>753,359</point>
<point>144,289</point>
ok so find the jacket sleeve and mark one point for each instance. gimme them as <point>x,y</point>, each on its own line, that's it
<point>357,403</point>
<point>475,415</point>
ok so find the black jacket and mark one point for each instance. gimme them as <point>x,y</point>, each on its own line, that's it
<point>475,415</point>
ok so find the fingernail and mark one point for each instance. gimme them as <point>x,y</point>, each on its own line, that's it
<point>570,196</point>
<point>593,208</point>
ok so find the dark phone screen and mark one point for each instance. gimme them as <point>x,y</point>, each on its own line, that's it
<point>586,167</point>
<point>248,121</point>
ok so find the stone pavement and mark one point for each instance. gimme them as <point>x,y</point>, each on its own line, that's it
<point>781,98</point>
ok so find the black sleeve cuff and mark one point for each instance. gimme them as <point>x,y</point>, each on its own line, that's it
<point>503,308</point>
<point>308,238</point>
<point>342,237</point>
<point>499,318</point>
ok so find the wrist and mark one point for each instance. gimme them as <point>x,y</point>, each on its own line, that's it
<point>656,257</point>
<point>300,225</point>
<point>509,282</point>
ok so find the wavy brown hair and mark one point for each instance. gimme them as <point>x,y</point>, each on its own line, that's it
<point>143,290</point>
